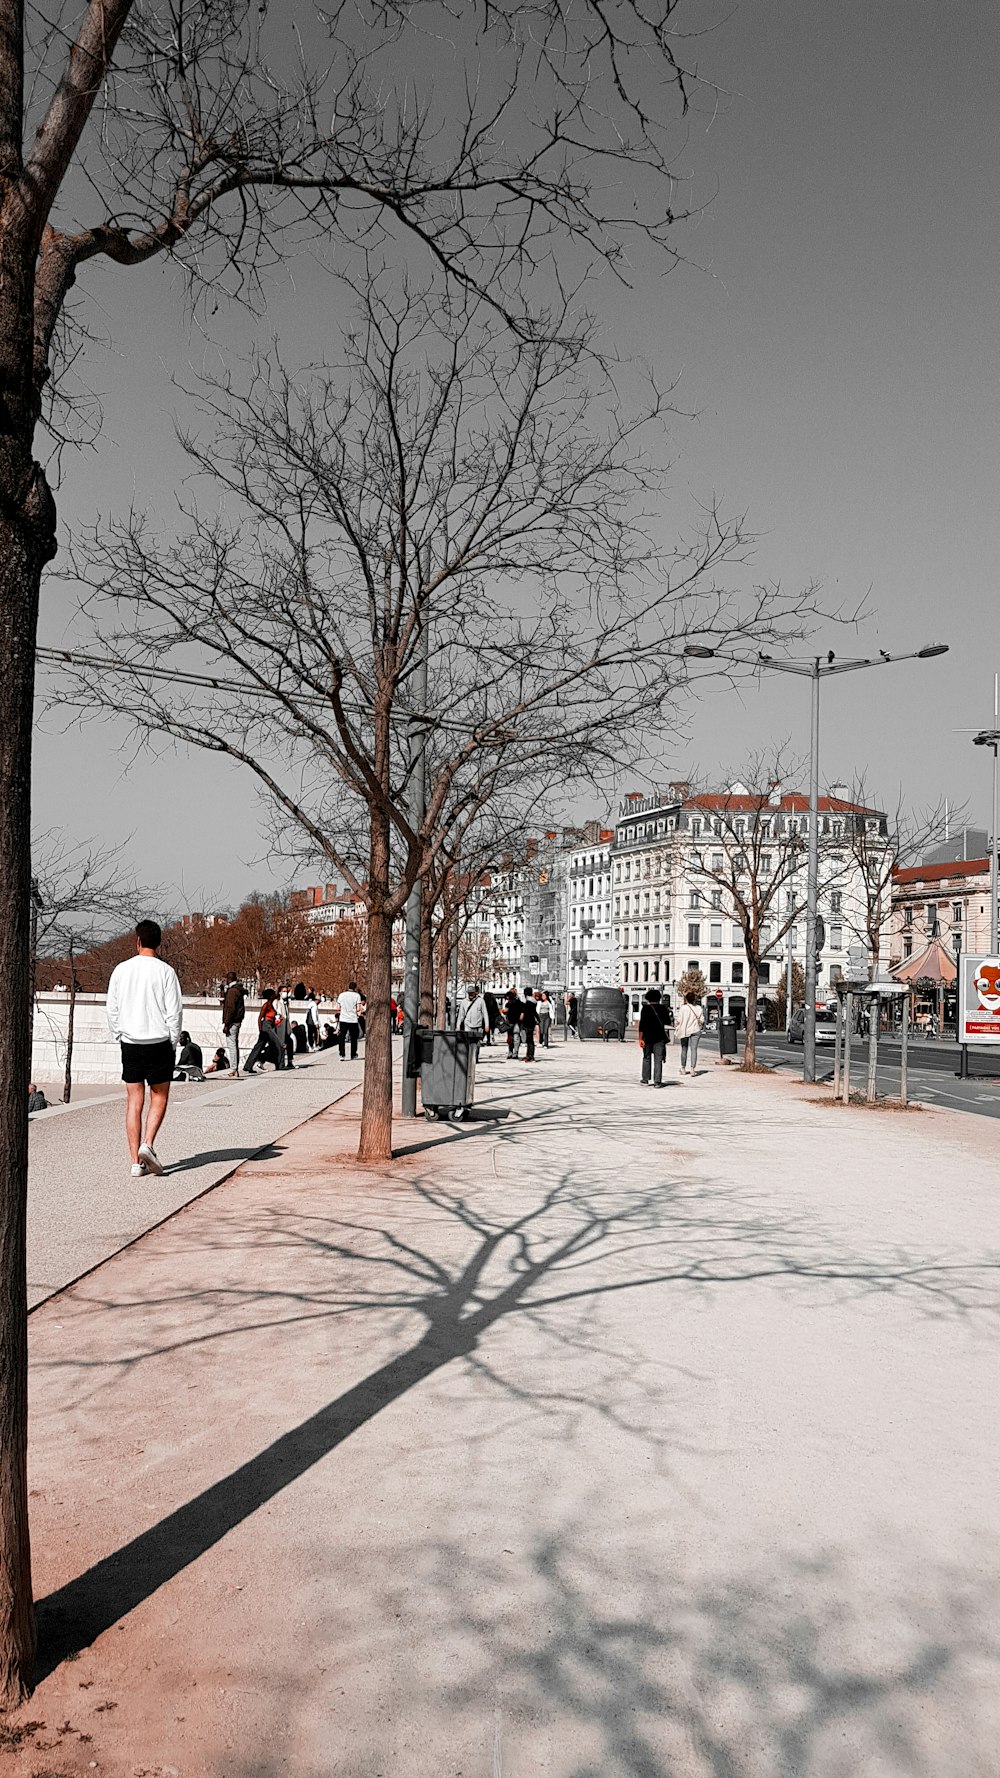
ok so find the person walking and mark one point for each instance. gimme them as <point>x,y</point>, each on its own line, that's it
<point>514,1006</point>
<point>688,1026</point>
<point>544,1019</point>
<point>529,1022</point>
<point>267,1048</point>
<point>492,1015</point>
<point>283,1004</point>
<point>653,1037</point>
<point>348,1008</point>
<point>572,1016</point>
<point>234,1008</point>
<point>312,1018</point>
<point>144,1013</point>
<point>473,1016</point>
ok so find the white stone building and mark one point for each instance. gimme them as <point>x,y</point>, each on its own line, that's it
<point>589,950</point>
<point>666,918</point>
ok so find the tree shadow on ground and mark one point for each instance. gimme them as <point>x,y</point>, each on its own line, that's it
<point>570,1245</point>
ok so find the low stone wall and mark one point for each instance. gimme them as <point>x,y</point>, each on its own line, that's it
<point>96,1057</point>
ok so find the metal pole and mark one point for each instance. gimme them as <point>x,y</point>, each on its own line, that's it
<point>789,978</point>
<point>994,936</point>
<point>993,921</point>
<point>838,1042</point>
<point>848,1016</point>
<point>415,816</point>
<point>903,1080</point>
<point>812,890</point>
<point>874,1014</point>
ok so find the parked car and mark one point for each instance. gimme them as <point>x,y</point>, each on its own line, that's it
<point>826,1026</point>
<point>603,1013</point>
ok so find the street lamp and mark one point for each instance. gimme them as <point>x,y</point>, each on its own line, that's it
<point>990,737</point>
<point>819,667</point>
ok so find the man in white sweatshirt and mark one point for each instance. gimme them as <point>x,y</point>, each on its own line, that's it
<point>145,1016</point>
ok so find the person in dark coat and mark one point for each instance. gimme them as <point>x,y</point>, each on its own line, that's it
<point>233,1014</point>
<point>572,1016</point>
<point>493,1013</point>
<point>513,1008</point>
<point>529,1021</point>
<point>653,1037</point>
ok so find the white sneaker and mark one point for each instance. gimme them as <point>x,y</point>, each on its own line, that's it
<point>138,1170</point>
<point>149,1158</point>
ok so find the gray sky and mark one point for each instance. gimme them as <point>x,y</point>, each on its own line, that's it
<point>836,342</point>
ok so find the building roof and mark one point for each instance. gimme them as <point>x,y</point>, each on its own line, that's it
<point>792,802</point>
<point>934,963</point>
<point>940,873</point>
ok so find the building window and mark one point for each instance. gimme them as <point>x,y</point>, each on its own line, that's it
<point>718,862</point>
<point>737,936</point>
<point>635,938</point>
<point>836,902</point>
<point>716,932</point>
<point>694,933</point>
<point>956,913</point>
<point>695,901</point>
<point>635,972</point>
<point>764,972</point>
<point>666,936</point>
<point>907,946</point>
<point>907,917</point>
<point>717,898</point>
<point>645,972</point>
<point>715,972</point>
<point>645,938</point>
<point>737,975</point>
<point>656,938</point>
<point>666,969</point>
<point>765,863</point>
<point>645,903</point>
<point>617,906</point>
<point>693,963</point>
<point>656,972</point>
<point>695,826</point>
<point>836,938</point>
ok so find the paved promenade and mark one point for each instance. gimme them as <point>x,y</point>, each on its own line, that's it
<point>83,1204</point>
<point>623,1434</point>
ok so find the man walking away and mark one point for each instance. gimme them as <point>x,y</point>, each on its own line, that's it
<point>312,1018</point>
<point>529,1019</point>
<point>653,1037</point>
<point>144,1014</point>
<point>572,1016</point>
<point>492,1016</point>
<point>233,1013</point>
<point>349,1009</point>
<point>690,1020</point>
<point>544,1019</point>
<point>473,1016</point>
<point>514,1028</point>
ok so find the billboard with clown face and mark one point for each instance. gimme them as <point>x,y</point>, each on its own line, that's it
<point>979,1005</point>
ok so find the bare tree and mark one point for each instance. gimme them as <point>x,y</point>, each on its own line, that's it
<point>216,147</point>
<point>752,854</point>
<point>82,895</point>
<point>880,844</point>
<point>449,489</point>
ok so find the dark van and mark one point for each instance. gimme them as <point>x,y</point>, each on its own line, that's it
<point>602,1013</point>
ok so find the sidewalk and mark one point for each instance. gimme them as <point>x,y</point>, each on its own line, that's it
<point>83,1204</point>
<point>625,1435</point>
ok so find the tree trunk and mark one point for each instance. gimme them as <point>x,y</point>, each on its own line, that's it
<point>376,1101</point>
<point>750,1041</point>
<point>70,1026</point>
<point>21,561</point>
<point>426,965</point>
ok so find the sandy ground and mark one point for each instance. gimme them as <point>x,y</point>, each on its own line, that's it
<point>632,1433</point>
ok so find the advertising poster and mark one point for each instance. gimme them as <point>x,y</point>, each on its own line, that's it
<point>979,1005</point>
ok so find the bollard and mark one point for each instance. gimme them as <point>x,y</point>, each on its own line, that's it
<point>838,1040</point>
<point>903,1082</point>
<point>874,1013</point>
<point>848,1016</point>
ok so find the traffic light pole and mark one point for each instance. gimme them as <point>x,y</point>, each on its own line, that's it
<point>414,905</point>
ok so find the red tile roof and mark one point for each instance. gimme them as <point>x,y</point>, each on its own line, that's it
<point>939,873</point>
<point>792,803</point>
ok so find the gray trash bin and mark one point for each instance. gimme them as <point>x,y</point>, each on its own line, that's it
<point>447,1072</point>
<point>727,1037</point>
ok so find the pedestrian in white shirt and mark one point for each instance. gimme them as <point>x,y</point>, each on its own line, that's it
<point>473,1017</point>
<point>688,1027</point>
<point>145,1015</point>
<point>348,1009</point>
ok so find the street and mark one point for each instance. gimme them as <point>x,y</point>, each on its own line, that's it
<point>931,1067</point>
<point>615,1432</point>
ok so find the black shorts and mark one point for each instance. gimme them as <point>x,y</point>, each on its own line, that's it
<point>152,1062</point>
